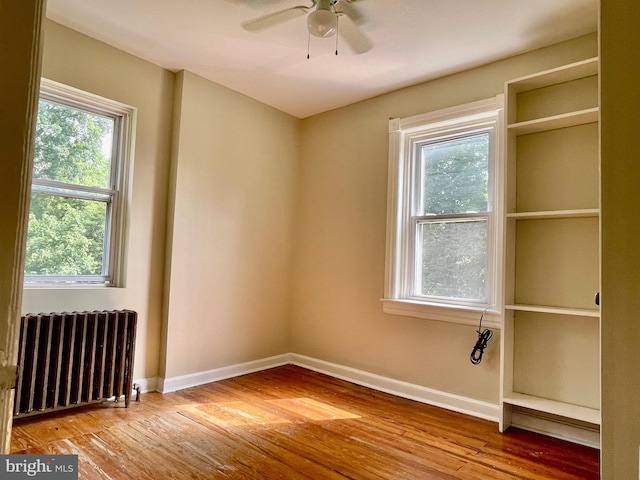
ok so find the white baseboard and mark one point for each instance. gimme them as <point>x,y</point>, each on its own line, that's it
<point>172,384</point>
<point>147,384</point>
<point>457,403</point>
<point>449,401</point>
<point>564,430</point>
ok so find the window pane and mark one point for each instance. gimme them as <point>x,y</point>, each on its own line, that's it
<point>455,175</point>
<point>66,236</point>
<point>454,259</point>
<point>72,146</point>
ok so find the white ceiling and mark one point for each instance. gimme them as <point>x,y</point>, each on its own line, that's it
<point>413,41</point>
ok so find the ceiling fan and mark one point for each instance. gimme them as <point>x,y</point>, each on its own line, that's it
<point>325,18</point>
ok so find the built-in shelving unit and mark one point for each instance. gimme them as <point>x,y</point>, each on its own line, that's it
<point>550,337</point>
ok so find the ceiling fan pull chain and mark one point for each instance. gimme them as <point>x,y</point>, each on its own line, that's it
<point>308,44</point>
<point>337,31</point>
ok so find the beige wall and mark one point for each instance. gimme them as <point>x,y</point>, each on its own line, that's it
<point>230,232</point>
<point>84,63</point>
<point>340,237</point>
<point>620,197</point>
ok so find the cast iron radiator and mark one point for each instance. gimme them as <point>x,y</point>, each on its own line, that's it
<point>72,359</point>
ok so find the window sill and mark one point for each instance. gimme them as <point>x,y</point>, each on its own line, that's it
<point>450,313</point>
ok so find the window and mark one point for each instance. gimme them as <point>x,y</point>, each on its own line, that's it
<point>444,224</point>
<point>79,188</point>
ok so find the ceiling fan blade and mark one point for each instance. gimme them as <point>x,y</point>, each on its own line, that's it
<point>352,34</point>
<point>350,8</point>
<point>275,18</point>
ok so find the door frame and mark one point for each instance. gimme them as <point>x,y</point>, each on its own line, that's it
<point>21,24</point>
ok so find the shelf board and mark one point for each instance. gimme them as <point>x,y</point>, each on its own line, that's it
<point>566,73</point>
<point>578,213</point>
<point>576,312</point>
<point>553,407</point>
<point>570,119</point>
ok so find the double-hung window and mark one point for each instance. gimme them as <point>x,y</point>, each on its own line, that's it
<point>444,222</point>
<point>81,168</point>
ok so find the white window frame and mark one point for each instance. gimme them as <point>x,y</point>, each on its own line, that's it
<point>404,135</point>
<point>117,195</point>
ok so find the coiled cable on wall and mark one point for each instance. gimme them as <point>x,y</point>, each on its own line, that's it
<point>481,343</point>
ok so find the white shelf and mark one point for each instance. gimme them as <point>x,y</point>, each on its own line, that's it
<point>566,73</point>
<point>553,407</point>
<point>578,213</point>
<point>576,312</point>
<point>563,120</point>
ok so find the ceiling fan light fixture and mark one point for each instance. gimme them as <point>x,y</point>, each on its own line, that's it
<point>322,23</point>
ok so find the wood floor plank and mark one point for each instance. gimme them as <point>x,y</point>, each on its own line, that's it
<point>400,448</point>
<point>294,424</point>
<point>33,432</point>
<point>86,467</point>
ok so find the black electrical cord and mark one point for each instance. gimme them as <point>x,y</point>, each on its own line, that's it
<point>481,343</point>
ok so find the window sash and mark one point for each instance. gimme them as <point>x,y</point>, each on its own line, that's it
<point>61,280</point>
<point>69,190</point>
<point>416,182</point>
<point>418,257</point>
<point>420,178</point>
<point>117,121</point>
<point>415,258</point>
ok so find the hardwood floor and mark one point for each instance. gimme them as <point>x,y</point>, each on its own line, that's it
<point>291,423</point>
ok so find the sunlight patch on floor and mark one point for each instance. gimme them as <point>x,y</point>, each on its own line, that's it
<point>312,409</point>
<point>234,414</point>
<point>238,414</point>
